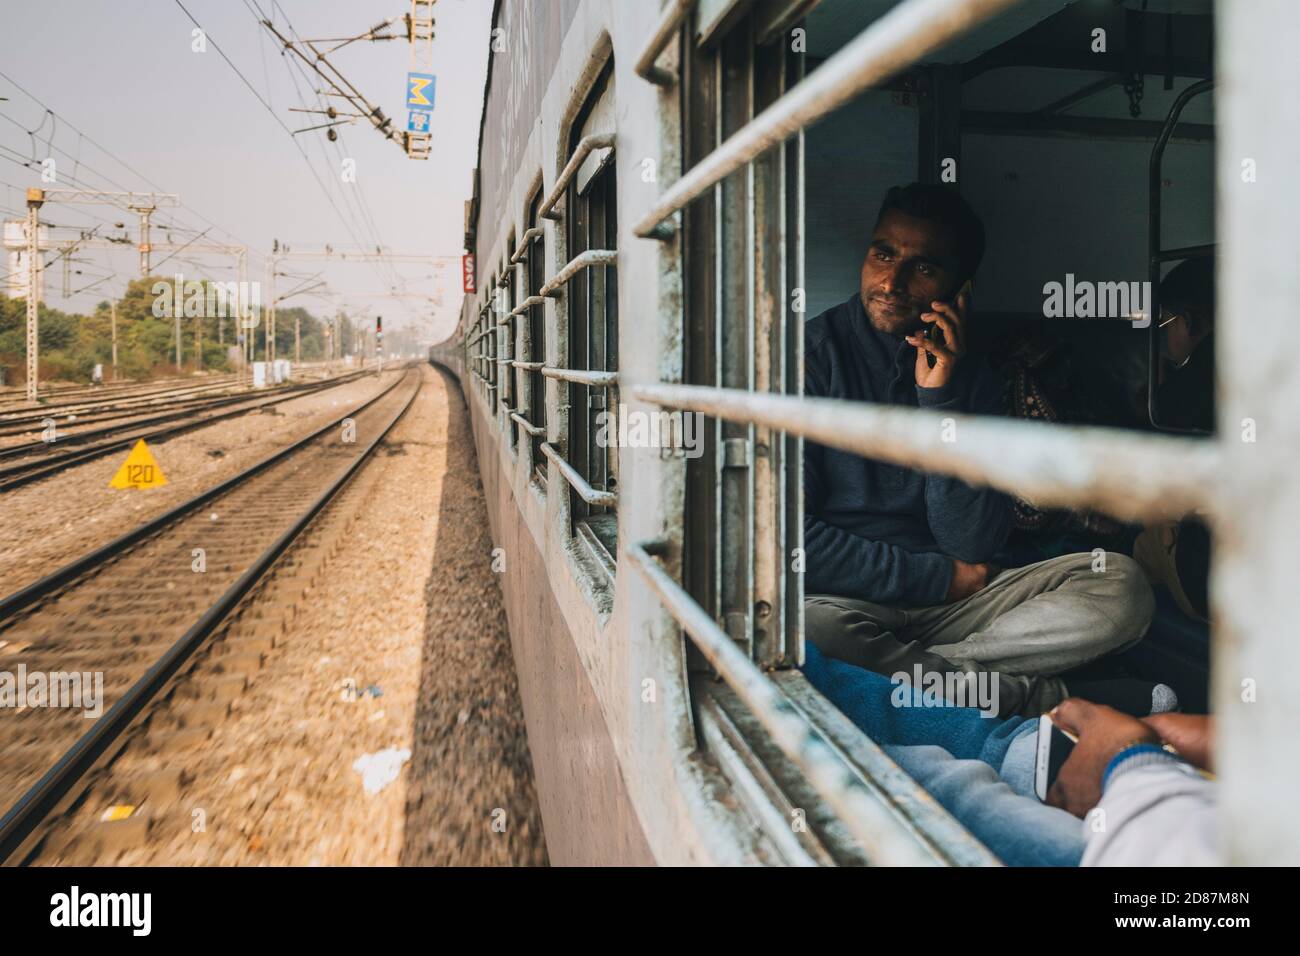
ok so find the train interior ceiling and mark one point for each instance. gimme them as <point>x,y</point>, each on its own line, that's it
<point>1052,135</point>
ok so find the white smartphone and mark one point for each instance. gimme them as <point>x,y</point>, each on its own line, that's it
<point>1054,746</point>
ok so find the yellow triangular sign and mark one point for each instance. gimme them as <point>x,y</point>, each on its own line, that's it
<point>139,470</point>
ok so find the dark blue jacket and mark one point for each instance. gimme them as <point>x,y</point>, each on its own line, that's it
<point>875,531</point>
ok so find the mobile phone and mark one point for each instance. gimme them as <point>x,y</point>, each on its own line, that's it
<point>1054,746</point>
<point>932,332</point>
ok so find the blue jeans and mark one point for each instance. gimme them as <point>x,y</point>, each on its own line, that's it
<point>980,769</point>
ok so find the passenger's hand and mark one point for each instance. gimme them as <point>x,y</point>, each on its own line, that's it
<point>950,318</point>
<point>967,579</point>
<point>1103,732</point>
<point>1190,734</point>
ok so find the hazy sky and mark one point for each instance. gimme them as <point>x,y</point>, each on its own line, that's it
<point>123,74</point>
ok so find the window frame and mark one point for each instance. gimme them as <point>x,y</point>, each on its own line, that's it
<point>590,222</point>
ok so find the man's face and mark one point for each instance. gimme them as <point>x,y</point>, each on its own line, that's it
<point>910,263</point>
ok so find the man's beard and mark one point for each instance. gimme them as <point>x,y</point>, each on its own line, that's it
<point>895,315</point>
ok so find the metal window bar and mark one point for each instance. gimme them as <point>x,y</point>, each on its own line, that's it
<point>883,834</point>
<point>587,493</point>
<point>597,379</point>
<point>528,303</point>
<point>536,431</point>
<point>669,22</point>
<point>1157,256</point>
<point>534,337</point>
<point>525,243</point>
<point>585,260</point>
<point>897,40</point>
<point>1127,474</point>
<point>586,146</point>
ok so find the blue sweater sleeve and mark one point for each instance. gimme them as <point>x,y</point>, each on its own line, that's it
<point>840,562</point>
<point>969,523</point>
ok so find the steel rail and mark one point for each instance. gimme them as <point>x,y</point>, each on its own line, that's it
<point>125,392</point>
<point>21,820</point>
<point>16,601</point>
<point>15,476</point>
<point>165,412</point>
<point>124,404</point>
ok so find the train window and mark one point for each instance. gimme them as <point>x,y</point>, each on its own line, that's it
<point>534,348</point>
<point>506,323</point>
<point>1035,131</point>
<point>740,331</point>
<point>591,231</point>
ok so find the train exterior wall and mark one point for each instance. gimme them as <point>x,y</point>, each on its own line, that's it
<point>602,671</point>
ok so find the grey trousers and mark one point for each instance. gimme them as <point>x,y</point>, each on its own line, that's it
<point>1025,626</point>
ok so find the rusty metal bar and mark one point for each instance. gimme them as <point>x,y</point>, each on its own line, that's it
<point>900,38</point>
<point>584,260</point>
<point>525,241</point>
<point>535,431</point>
<point>670,21</point>
<point>586,146</point>
<point>1127,474</point>
<point>527,304</point>
<point>580,376</point>
<point>884,835</point>
<point>580,485</point>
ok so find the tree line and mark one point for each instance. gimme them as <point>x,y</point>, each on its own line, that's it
<point>71,344</point>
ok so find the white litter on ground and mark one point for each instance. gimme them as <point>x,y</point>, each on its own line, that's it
<point>380,769</point>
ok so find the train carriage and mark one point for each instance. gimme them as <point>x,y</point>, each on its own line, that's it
<point>665,193</point>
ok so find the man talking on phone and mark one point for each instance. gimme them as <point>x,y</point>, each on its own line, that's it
<point>900,574</point>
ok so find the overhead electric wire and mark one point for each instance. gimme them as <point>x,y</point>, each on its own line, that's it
<point>277,119</point>
<point>121,162</point>
<point>294,64</point>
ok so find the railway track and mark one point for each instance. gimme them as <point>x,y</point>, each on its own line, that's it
<point>139,612</point>
<point>32,461</point>
<point>76,414</point>
<point>14,401</point>
<point>79,398</point>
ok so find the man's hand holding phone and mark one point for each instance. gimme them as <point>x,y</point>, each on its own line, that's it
<point>1102,732</point>
<point>943,340</point>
